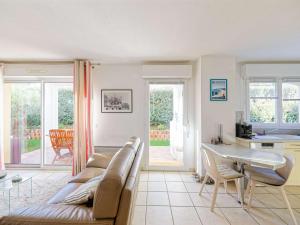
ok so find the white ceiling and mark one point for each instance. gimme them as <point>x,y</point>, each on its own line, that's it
<point>142,30</point>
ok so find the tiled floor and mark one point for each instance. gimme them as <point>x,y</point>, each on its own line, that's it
<point>171,198</point>
<point>161,156</point>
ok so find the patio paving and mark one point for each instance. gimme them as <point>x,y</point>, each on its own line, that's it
<point>161,156</point>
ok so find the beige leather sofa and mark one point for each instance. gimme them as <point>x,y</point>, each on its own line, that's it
<point>113,200</point>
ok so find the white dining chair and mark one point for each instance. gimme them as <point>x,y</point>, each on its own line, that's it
<point>219,173</point>
<point>275,178</point>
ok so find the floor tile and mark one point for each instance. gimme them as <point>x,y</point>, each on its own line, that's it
<point>159,215</point>
<point>266,216</point>
<point>185,216</point>
<point>176,187</point>
<point>203,200</point>
<point>172,176</point>
<point>139,215</point>
<point>270,200</point>
<point>210,188</point>
<point>157,186</point>
<point>157,198</point>
<point>144,176</point>
<point>187,177</point>
<point>143,186</point>
<point>193,187</point>
<point>156,176</point>
<point>238,216</point>
<point>285,215</point>
<point>293,189</point>
<point>180,199</point>
<point>211,218</point>
<point>141,198</point>
<point>226,200</point>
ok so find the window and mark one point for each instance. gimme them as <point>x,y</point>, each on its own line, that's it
<point>274,102</point>
<point>262,103</point>
<point>290,101</point>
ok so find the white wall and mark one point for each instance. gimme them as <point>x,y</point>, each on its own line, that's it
<point>218,112</point>
<point>113,129</point>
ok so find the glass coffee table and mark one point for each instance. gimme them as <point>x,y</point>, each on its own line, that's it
<point>7,185</point>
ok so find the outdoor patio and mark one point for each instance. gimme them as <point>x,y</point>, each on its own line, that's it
<point>34,157</point>
<point>161,156</point>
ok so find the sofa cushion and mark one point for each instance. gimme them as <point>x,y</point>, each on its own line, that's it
<point>99,160</point>
<point>134,143</point>
<point>264,175</point>
<point>87,174</point>
<point>107,196</point>
<point>53,215</point>
<point>84,192</point>
<point>63,193</point>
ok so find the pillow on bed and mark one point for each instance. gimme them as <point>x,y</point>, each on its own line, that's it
<point>84,192</point>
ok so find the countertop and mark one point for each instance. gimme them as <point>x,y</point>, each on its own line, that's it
<point>274,138</point>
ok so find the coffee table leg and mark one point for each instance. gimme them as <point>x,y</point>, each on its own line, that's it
<point>31,187</point>
<point>9,201</point>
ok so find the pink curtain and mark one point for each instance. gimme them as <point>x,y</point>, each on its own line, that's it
<point>83,146</point>
<point>1,119</point>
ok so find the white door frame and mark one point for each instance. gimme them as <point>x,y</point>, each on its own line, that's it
<point>147,125</point>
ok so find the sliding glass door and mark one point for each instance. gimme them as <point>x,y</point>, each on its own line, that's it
<point>38,124</point>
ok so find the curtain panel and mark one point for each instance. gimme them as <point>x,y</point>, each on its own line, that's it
<point>1,118</point>
<point>83,145</point>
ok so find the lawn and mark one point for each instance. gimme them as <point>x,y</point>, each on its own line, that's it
<point>159,142</point>
<point>32,144</point>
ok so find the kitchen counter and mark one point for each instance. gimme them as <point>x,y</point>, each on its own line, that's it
<point>273,138</point>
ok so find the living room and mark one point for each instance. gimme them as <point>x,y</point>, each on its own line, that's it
<point>150,113</point>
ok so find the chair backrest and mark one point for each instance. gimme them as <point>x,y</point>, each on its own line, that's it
<point>286,170</point>
<point>210,163</point>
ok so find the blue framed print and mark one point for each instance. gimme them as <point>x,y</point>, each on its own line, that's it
<point>218,89</point>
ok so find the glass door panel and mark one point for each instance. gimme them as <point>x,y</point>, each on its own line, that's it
<point>166,125</point>
<point>58,123</point>
<point>22,127</point>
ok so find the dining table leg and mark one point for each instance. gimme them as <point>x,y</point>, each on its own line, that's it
<point>241,197</point>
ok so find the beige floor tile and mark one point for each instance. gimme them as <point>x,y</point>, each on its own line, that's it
<point>273,190</point>
<point>211,218</point>
<point>157,198</point>
<point>180,199</point>
<point>176,187</point>
<point>187,177</point>
<point>172,176</point>
<point>270,201</point>
<point>143,186</point>
<point>157,186</point>
<point>159,215</point>
<point>156,176</point>
<point>262,190</point>
<point>210,188</point>
<point>193,187</point>
<point>285,215</point>
<point>266,216</point>
<point>139,215</point>
<point>141,198</point>
<point>293,199</point>
<point>226,200</point>
<point>203,200</point>
<point>185,216</point>
<point>144,176</point>
<point>293,189</point>
<point>238,216</point>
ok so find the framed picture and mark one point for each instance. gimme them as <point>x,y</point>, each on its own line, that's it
<point>218,89</point>
<point>116,100</point>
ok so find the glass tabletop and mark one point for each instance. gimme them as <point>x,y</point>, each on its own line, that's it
<point>7,183</point>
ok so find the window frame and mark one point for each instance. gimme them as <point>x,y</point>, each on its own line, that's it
<point>278,124</point>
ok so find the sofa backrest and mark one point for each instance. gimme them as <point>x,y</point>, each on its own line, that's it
<point>130,190</point>
<point>107,195</point>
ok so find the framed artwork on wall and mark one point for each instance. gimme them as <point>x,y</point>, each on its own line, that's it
<point>116,101</point>
<point>218,90</point>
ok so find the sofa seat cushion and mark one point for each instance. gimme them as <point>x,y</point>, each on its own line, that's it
<point>264,175</point>
<point>53,214</point>
<point>87,174</point>
<point>60,196</point>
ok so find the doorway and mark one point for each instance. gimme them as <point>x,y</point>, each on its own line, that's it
<point>166,130</point>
